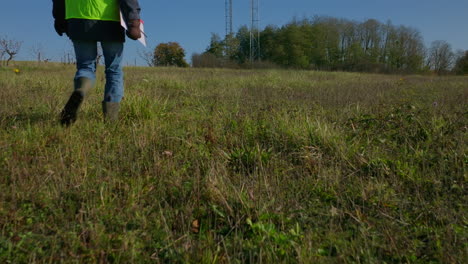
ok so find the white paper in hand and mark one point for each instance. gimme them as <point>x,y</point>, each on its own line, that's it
<point>143,35</point>
<point>142,28</point>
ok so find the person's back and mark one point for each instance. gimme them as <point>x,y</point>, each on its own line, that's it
<point>87,22</point>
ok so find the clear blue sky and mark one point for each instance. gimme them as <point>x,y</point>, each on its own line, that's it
<point>191,22</point>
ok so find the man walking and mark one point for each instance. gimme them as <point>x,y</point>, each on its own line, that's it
<point>87,22</point>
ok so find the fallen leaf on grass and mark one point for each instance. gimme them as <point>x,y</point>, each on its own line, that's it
<point>167,153</point>
<point>195,226</point>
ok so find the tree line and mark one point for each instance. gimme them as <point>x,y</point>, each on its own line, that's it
<point>332,44</point>
<point>320,43</point>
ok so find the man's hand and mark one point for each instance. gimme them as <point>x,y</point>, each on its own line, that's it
<point>60,26</point>
<point>133,30</point>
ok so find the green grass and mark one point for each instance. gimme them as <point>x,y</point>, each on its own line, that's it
<point>235,166</point>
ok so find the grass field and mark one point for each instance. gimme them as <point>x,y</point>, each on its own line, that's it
<point>235,166</point>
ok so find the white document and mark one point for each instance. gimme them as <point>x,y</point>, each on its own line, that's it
<point>142,28</point>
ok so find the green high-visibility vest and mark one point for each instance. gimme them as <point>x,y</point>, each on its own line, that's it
<point>107,10</point>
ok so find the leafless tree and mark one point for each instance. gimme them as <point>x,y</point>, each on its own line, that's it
<point>68,55</point>
<point>2,55</point>
<point>66,58</point>
<point>441,56</point>
<point>147,55</point>
<point>10,48</point>
<point>37,52</point>
<point>458,54</point>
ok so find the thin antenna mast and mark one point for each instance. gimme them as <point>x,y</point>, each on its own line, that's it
<point>254,31</point>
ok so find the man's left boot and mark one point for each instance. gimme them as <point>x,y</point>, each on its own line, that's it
<point>70,111</point>
<point>110,111</point>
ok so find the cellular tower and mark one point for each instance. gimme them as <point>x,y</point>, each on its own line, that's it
<point>254,31</point>
<point>254,27</point>
<point>228,12</point>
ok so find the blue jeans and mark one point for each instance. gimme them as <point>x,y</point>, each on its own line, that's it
<point>86,53</point>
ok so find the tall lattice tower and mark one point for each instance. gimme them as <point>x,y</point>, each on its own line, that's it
<point>254,31</point>
<point>228,12</point>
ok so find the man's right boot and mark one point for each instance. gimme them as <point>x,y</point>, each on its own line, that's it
<point>111,111</point>
<point>69,112</point>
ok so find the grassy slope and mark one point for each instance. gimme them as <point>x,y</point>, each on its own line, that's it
<point>283,166</point>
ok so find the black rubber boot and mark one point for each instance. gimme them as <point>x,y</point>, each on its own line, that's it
<point>111,111</point>
<point>69,112</point>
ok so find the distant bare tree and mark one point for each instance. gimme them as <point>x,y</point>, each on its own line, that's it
<point>147,56</point>
<point>458,54</point>
<point>441,56</point>
<point>9,47</point>
<point>37,52</point>
<point>2,55</point>
<point>68,56</point>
